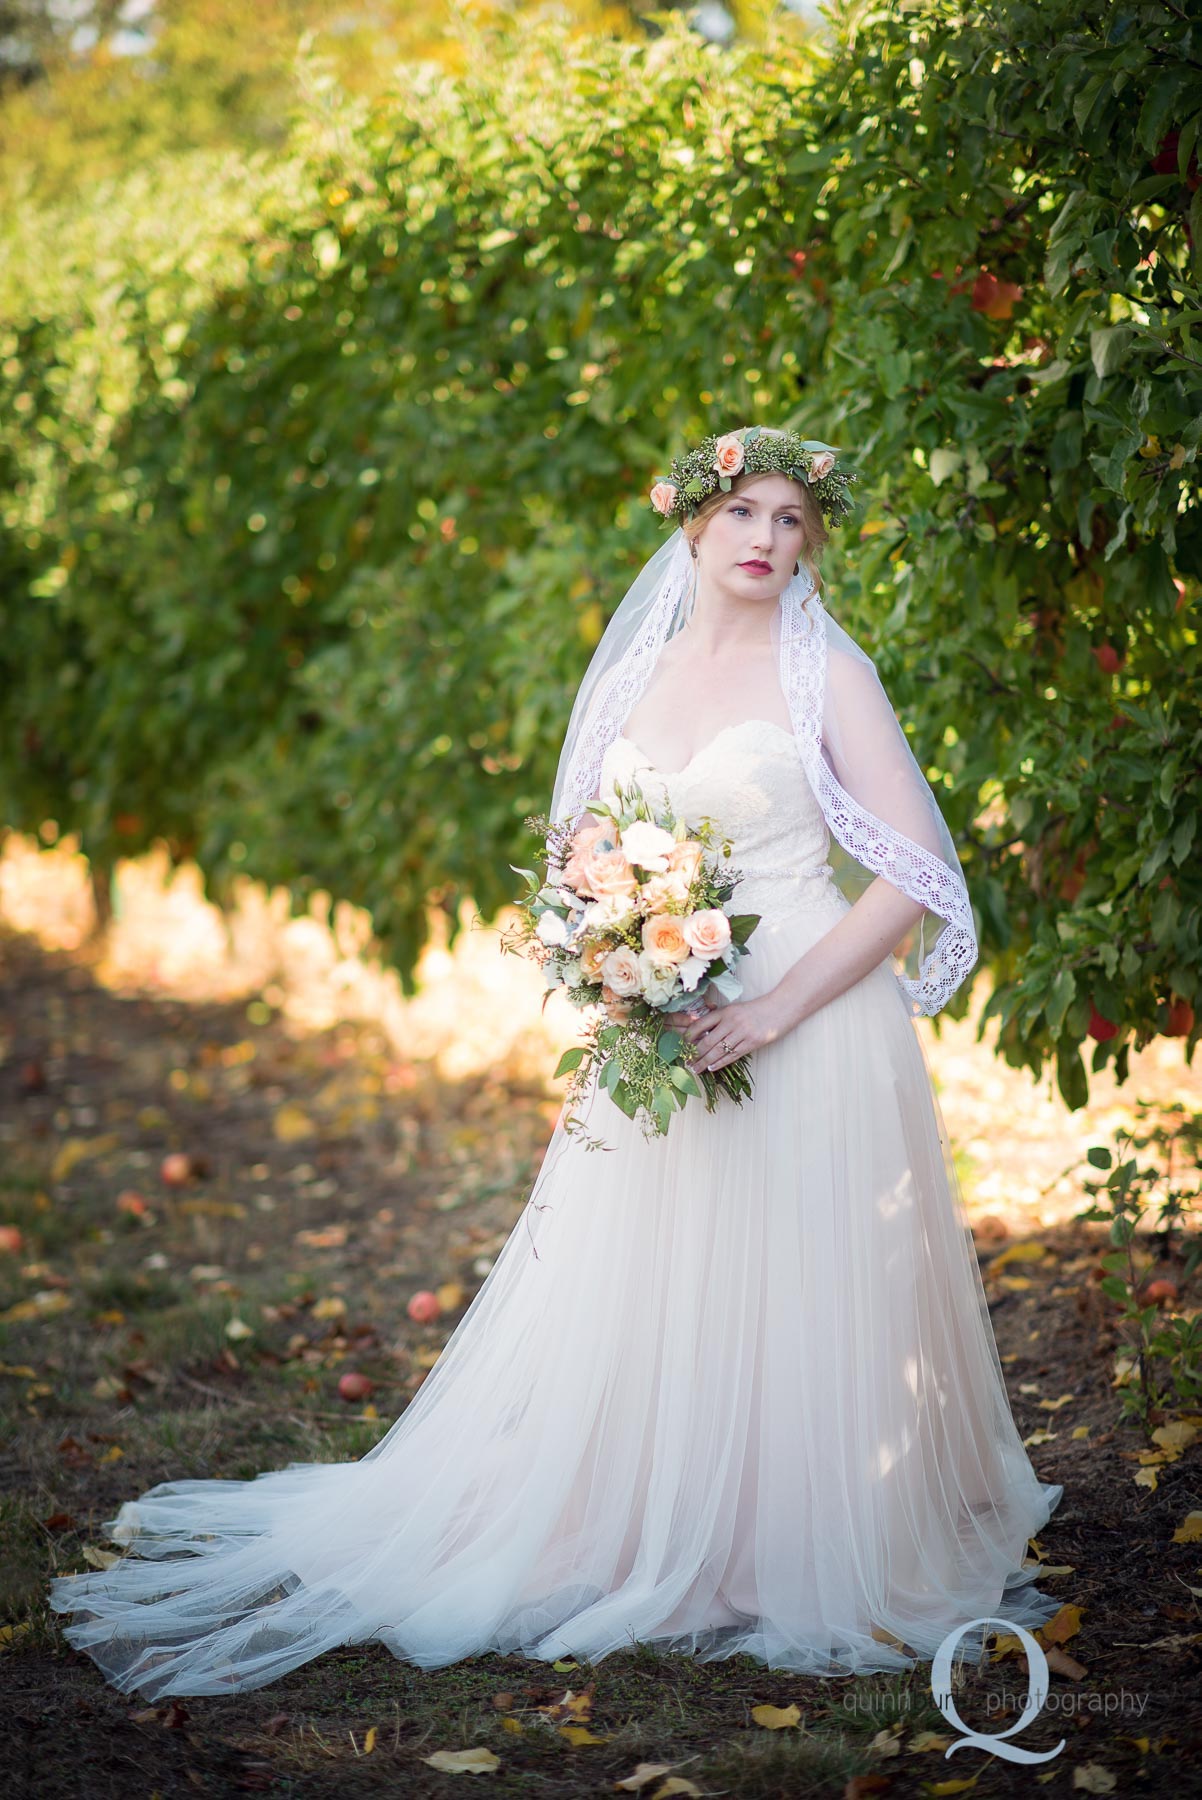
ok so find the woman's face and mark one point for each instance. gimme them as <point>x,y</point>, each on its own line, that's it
<point>749,546</point>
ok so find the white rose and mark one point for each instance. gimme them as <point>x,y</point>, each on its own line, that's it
<point>552,930</point>
<point>647,845</point>
<point>659,979</point>
<point>613,910</point>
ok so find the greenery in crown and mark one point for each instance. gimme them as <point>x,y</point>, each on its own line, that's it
<point>756,450</point>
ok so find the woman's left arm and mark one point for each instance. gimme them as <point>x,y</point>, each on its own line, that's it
<point>851,949</point>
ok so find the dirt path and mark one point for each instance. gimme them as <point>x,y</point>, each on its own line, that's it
<point>153,1330</point>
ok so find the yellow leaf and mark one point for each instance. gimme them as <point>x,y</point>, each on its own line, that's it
<point>1092,1778</point>
<point>1150,447</point>
<point>676,1784</point>
<point>332,1307</point>
<point>1062,1626</point>
<point>369,1742</point>
<point>1016,1284</point>
<point>292,1123</point>
<point>1175,1437</point>
<point>1080,1431</point>
<point>774,1718</point>
<point>101,1559</point>
<point>41,1305</point>
<point>1055,1405</point>
<point>886,1743</point>
<point>928,1740</point>
<point>1026,1251</point>
<point>1191,1531</point>
<point>112,1454</point>
<point>1041,1437</point>
<point>1178,456</point>
<point>476,1761</point>
<point>951,1787</point>
<point>580,1734</point>
<point>1146,1478</point>
<point>76,1150</point>
<point>644,1772</point>
<point>514,1725</point>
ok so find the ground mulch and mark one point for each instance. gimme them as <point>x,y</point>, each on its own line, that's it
<point>155,1328</point>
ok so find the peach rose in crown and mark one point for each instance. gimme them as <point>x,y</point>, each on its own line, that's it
<point>728,454</point>
<point>663,497</point>
<point>664,939</point>
<point>608,872</point>
<point>821,465</point>
<point>707,933</point>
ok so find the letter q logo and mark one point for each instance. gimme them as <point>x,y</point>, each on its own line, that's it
<point>1037,1693</point>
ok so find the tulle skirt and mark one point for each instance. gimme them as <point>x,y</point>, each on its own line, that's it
<point>732,1391</point>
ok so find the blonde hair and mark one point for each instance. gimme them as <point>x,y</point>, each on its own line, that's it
<point>816,533</point>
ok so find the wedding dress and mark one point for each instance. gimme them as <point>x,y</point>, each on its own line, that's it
<point>734,1390</point>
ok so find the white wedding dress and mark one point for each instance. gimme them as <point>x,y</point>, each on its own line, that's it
<point>731,1390</point>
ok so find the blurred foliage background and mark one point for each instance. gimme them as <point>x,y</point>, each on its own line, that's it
<point>337,352</point>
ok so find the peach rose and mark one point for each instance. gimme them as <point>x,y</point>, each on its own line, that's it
<point>685,857</point>
<point>728,454</point>
<point>663,497</point>
<point>574,873</point>
<point>608,872</point>
<point>591,958</point>
<point>707,932</point>
<point>821,465</point>
<point>620,971</point>
<point>664,939</point>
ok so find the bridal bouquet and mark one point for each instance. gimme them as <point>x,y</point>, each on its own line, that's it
<point>629,915</point>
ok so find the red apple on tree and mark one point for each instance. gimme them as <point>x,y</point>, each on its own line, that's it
<point>1181,1018</point>
<point>1108,659</point>
<point>1100,1028</point>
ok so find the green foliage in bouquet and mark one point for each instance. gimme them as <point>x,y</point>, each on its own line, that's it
<point>631,1046</point>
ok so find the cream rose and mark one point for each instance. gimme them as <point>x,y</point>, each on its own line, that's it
<point>659,979</point>
<point>620,971</point>
<point>663,497</point>
<point>657,890</point>
<point>664,939</point>
<point>729,454</point>
<point>707,932</point>
<point>647,845</point>
<point>608,872</point>
<point>821,465</point>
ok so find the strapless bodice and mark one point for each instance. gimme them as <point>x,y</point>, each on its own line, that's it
<point>750,780</point>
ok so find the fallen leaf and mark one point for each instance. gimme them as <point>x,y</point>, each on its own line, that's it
<point>476,1761</point>
<point>1191,1531</point>
<point>643,1773</point>
<point>775,1718</point>
<point>1092,1778</point>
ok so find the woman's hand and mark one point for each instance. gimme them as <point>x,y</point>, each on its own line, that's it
<point>742,1025</point>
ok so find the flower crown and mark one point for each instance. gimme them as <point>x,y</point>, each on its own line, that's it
<point>757,450</point>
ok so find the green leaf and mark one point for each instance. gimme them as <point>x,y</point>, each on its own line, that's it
<point>571,1059</point>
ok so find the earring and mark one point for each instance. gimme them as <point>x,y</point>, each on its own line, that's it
<point>797,568</point>
<point>693,551</point>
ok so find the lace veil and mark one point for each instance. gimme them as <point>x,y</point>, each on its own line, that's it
<point>876,801</point>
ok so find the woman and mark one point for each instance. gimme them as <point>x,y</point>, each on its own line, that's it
<point>732,1390</point>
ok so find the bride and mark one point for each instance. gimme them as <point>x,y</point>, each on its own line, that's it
<point>732,1390</point>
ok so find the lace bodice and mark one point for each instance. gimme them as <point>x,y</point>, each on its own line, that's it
<point>750,780</point>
